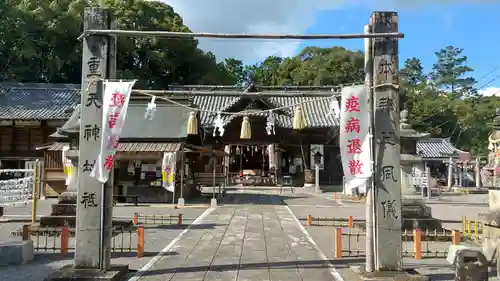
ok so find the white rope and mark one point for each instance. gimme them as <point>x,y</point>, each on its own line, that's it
<point>12,171</point>
<point>247,112</point>
<point>240,113</point>
<point>16,191</point>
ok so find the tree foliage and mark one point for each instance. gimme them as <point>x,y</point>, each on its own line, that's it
<point>38,43</point>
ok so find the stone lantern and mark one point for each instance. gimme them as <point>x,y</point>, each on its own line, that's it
<point>490,171</point>
<point>410,161</point>
<point>491,219</point>
<point>64,212</point>
<point>413,209</point>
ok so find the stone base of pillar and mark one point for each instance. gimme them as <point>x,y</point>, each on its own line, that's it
<point>180,202</point>
<point>491,224</point>
<point>416,214</point>
<point>359,273</point>
<point>213,202</point>
<point>63,213</point>
<point>67,273</point>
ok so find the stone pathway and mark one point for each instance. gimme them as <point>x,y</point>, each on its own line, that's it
<point>245,242</point>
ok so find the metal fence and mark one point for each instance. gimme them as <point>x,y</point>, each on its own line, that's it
<point>126,239</point>
<point>62,239</point>
<point>155,219</point>
<point>349,237</point>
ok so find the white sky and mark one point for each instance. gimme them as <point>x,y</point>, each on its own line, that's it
<point>490,91</point>
<point>257,16</point>
<point>269,16</point>
<point>272,16</point>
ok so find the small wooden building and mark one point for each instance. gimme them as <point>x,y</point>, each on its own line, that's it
<point>143,143</point>
<point>29,113</point>
<point>137,168</point>
<point>293,149</point>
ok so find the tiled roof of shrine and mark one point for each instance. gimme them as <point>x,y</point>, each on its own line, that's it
<point>37,101</point>
<point>437,148</point>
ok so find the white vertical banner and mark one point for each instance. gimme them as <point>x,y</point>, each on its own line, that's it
<point>227,159</point>
<point>168,170</point>
<point>272,156</point>
<point>69,172</point>
<point>354,136</point>
<point>115,103</point>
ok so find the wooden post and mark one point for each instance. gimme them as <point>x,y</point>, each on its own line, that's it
<point>180,201</point>
<point>65,240</point>
<point>450,175</point>
<point>417,244</point>
<point>478,172</point>
<point>91,207</point>
<point>429,184</point>
<point>26,235</point>
<point>179,219</point>
<point>338,242</point>
<point>387,154</point>
<point>35,192</point>
<point>140,241</point>
<point>136,218</point>
<point>455,237</point>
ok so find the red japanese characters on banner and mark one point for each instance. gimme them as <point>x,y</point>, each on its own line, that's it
<point>354,136</point>
<point>115,103</point>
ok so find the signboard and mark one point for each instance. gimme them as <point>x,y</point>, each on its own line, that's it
<point>317,148</point>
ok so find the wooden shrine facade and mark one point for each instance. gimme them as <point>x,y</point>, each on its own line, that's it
<point>29,113</point>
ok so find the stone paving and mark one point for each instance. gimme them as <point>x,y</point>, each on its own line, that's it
<point>156,236</point>
<point>253,237</point>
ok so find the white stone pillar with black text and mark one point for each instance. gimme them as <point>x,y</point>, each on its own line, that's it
<point>89,209</point>
<point>387,174</point>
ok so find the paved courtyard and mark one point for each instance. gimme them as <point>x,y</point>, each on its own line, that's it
<point>253,235</point>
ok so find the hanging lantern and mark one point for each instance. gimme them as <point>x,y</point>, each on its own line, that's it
<point>246,130</point>
<point>192,126</point>
<point>298,119</point>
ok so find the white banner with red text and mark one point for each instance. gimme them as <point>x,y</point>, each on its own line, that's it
<point>114,103</point>
<point>354,139</point>
<point>168,170</point>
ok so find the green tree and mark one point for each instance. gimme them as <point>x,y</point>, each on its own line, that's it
<point>450,72</point>
<point>413,73</point>
<point>312,66</point>
<point>236,70</point>
<point>39,44</point>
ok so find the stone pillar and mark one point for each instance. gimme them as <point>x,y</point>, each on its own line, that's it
<point>387,154</point>
<point>89,207</point>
